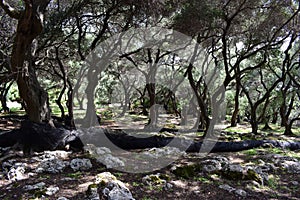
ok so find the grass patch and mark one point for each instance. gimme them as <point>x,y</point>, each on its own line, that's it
<point>250,152</point>
<point>239,129</point>
<point>202,179</point>
<point>273,182</point>
<point>75,175</point>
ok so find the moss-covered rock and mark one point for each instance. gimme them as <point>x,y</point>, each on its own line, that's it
<point>187,171</point>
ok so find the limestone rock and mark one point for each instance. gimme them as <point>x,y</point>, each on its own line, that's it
<point>52,166</point>
<point>78,164</point>
<point>37,186</point>
<point>17,172</point>
<point>51,190</point>
<point>241,192</point>
<point>110,161</point>
<point>62,198</point>
<point>211,166</point>
<point>291,166</point>
<point>227,188</point>
<point>113,189</point>
<point>155,179</point>
<point>92,192</point>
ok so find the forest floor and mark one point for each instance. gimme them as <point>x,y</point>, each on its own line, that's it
<point>73,185</point>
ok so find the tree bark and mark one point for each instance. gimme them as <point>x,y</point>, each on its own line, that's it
<point>288,127</point>
<point>30,25</point>
<point>235,113</point>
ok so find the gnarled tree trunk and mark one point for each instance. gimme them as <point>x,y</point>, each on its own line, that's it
<point>30,25</point>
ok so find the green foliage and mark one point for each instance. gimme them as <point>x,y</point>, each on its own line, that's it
<point>202,179</point>
<point>251,152</point>
<point>273,181</point>
<point>107,113</point>
<point>75,175</point>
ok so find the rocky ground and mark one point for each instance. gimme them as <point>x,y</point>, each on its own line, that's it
<point>253,174</point>
<point>262,173</point>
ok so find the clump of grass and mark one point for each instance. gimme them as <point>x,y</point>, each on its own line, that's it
<point>251,152</point>
<point>273,182</point>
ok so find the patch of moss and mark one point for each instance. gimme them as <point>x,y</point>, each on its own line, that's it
<point>273,182</point>
<point>75,175</point>
<point>202,179</point>
<point>250,152</point>
<point>187,171</point>
<point>253,175</point>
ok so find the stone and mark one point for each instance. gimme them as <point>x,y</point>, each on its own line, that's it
<point>234,172</point>
<point>17,172</point>
<point>153,179</point>
<point>37,186</point>
<point>102,151</point>
<point>78,164</point>
<point>92,192</point>
<point>267,167</point>
<point>295,183</point>
<point>52,166</point>
<point>255,184</point>
<point>187,170</point>
<point>104,178</point>
<point>113,189</point>
<point>96,151</point>
<point>168,186</point>
<point>58,154</point>
<point>62,198</point>
<point>292,167</point>
<point>211,166</point>
<point>240,192</point>
<point>197,192</point>
<point>51,190</point>
<point>120,194</point>
<point>110,161</point>
<point>227,188</point>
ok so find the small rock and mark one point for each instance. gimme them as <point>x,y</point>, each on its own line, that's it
<point>113,188</point>
<point>295,183</point>
<point>261,162</point>
<point>291,166</point>
<point>255,184</point>
<point>110,161</point>
<point>62,198</point>
<point>241,192</point>
<point>17,172</point>
<point>168,186</point>
<point>52,166</point>
<point>102,150</point>
<point>153,179</point>
<point>120,194</point>
<point>58,154</point>
<point>227,188</point>
<point>104,178</point>
<point>234,172</point>
<point>52,190</point>
<point>196,192</point>
<point>211,166</point>
<point>40,185</point>
<point>80,164</point>
<point>92,192</point>
<point>68,179</point>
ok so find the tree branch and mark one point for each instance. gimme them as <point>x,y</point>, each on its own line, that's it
<point>10,10</point>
